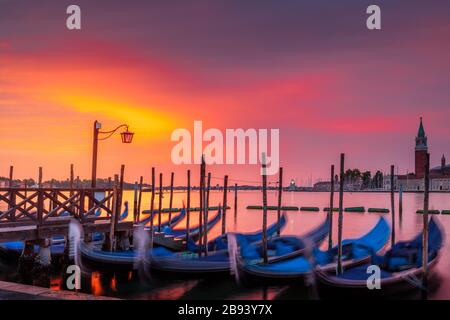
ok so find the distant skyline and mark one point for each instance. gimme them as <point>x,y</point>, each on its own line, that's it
<point>308,68</point>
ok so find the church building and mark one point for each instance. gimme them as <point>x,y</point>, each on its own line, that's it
<point>439,175</point>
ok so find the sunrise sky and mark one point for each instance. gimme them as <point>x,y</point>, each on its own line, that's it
<point>309,68</point>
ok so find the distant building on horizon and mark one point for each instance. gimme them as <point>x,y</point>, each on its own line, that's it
<point>439,175</point>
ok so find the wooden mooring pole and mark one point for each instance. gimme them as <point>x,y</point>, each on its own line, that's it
<point>330,213</point>
<point>188,209</point>
<point>392,206</point>
<point>135,201</point>
<point>172,176</point>
<point>11,177</point>
<point>152,205</point>
<point>400,205</point>
<point>10,185</point>
<point>71,179</point>
<point>40,199</point>
<point>12,194</point>
<point>71,184</point>
<point>121,182</point>
<point>119,196</point>
<point>40,178</point>
<point>280,191</point>
<point>25,192</point>
<point>114,213</point>
<point>200,215</point>
<point>264,227</point>
<point>50,201</point>
<point>235,203</point>
<point>425,229</point>
<point>224,212</point>
<point>341,216</point>
<point>160,200</point>
<point>141,182</point>
<point>206,210</point>
<point>110,185</point>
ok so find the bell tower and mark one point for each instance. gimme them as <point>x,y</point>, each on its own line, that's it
<point>443,163</point>
<point>421,151</point>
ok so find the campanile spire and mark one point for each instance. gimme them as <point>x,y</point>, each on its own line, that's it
<point>421,151</point>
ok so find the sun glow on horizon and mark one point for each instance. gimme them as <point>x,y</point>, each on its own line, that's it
<point>150,123</point>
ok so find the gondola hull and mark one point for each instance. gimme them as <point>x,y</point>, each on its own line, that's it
<point>400,270</point>
<point>297,268</point>
<point>164,260</point>
<point>215,263</point>
<point>389,288</point>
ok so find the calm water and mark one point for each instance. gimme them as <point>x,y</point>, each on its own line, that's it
<point>134,286</point>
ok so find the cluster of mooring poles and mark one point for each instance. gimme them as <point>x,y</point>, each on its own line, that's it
<point>204,205</point>
<point>424,283</point>
<point>279,204</point>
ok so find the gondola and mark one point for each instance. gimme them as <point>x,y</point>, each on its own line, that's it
<point>165,260</point>
<point>249,256</point>
<point>221,242</point>
<point>400,269</point>
<point>172,222</point>
<point>217,260</point>
<point>194,231</point>
<point>296,266</point>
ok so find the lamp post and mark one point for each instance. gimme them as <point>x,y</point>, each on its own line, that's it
<point>126,136</point>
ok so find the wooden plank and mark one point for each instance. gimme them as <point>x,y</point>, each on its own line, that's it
<point>18,233</point>
<point>33,232</point>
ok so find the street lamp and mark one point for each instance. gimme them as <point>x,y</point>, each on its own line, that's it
<point>126,136</point>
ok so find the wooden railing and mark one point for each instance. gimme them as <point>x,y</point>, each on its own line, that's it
<point>40,205</point>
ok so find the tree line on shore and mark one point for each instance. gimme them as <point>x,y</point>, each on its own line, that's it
<point>365,178</point>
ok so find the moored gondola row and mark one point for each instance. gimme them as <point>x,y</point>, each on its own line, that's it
<point>266,256</point>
